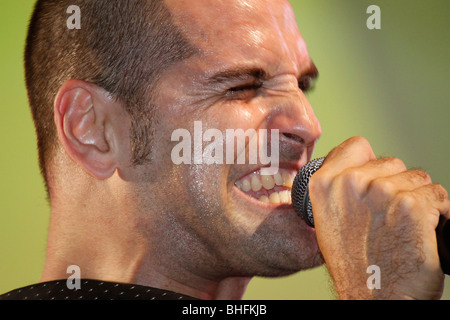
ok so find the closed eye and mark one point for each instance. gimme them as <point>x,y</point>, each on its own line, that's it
<point>245,91</point>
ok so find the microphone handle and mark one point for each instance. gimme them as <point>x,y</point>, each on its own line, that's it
<point>303,207</point>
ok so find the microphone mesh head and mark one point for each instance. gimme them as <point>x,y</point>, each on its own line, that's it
<point>300,193</point>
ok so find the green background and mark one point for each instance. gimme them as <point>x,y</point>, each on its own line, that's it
<point>390,86</point>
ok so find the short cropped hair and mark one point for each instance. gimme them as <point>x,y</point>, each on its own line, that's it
<point>122,46</point>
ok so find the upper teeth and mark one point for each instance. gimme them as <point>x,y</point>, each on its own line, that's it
<point>266,183</point>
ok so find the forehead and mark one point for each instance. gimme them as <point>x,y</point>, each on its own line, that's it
<point>262,31</point>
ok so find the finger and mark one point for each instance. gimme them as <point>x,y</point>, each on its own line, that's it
<point>372,178</point>
<point>428,201</point>
<point>353,152</point>
<point>446,214</point>
<point>436,195</point>
<point>384,187</point>
<point>384,167</point>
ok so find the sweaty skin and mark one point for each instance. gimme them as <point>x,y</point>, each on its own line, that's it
<point>189,228</point>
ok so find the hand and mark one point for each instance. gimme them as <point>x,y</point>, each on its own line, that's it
<point>370,211</point>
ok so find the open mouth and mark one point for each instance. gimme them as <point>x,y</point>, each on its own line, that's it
<point>275,189</point>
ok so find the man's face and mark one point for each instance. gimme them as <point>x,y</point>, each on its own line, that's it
<point>246,76</point>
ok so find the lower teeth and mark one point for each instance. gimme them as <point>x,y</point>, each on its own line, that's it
<point>277,197</point>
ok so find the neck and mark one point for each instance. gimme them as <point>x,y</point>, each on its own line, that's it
<point>109,243</point>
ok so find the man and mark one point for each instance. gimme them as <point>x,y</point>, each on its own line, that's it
<point>106,100</point>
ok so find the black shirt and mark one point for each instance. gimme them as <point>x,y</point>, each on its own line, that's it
<point>91,290</point>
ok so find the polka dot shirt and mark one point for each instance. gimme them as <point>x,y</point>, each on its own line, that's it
<point>91,290</point>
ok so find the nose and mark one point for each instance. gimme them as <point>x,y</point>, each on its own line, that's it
<point>296,121</point>
<point>298,126</point>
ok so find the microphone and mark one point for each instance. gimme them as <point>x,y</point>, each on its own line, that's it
<point>303,207</point>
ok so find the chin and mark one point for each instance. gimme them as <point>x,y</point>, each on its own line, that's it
<point>252,232</point>
<point>280,244</point>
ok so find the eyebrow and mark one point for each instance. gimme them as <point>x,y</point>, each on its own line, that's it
<point>237,74</point>
<point>246,73</point>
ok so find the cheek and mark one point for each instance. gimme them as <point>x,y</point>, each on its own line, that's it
<point>206,187</point>
<point>243,115</point>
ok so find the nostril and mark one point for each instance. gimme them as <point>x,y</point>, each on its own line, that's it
<point>294,137</point>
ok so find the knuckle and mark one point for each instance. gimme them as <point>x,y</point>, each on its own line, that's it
<point>422,175</point>
<point>396,163</point>
<point>440,192</point>
<point>381,188</point>
<point>359,140</point>
<point>352,179</point>
<point>363,144</point>
<point>405,201</point>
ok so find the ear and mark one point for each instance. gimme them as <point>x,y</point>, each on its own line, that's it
<point>85,117</point>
